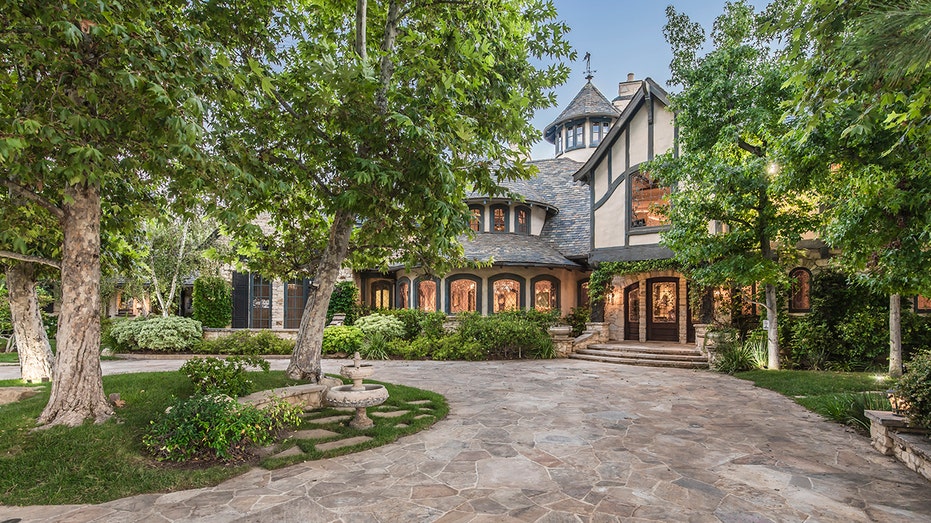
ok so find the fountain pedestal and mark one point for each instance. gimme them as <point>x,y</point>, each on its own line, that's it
<point>358,395</point>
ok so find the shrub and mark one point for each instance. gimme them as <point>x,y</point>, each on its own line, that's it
<point>847,328</point>
<point>735,355</point>
<point>577,318</point>
<point>216,376</point>
<point>412,320</point>
<point>387,327</point>
<point>432,324</point>
<point>507,336</point>
<point>374,347</point>
<point>246,342</point>
<point>455,347</point>
<point>344,300</point>
<point>212,301</point>
<point>915,388</point>
<point>342,338</point>
<point>209,427</point>
<point>157,334</point>
<point>848,408</point>
<point>542,319</point>
<point>420,348</point>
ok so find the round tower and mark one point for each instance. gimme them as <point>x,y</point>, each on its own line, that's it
<point>578,130</point>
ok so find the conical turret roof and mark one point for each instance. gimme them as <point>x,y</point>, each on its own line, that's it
<point>589,102</point>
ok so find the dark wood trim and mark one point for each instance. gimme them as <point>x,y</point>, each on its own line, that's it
<point>630,253</point>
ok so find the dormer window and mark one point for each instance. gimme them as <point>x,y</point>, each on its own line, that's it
<point>523,220</point>
<point>476,218</point>
<point>499,216</point>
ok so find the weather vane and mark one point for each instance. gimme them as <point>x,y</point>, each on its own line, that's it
<point>589,74</point>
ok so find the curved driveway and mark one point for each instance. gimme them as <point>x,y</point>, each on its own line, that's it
<point>565,440</point>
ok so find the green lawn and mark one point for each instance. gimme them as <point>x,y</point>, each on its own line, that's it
<point>839,396</point>
<point>97,463</point>
<point>9,357</point>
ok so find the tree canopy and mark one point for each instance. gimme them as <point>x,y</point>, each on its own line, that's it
<point>734,218</point>
<point>366,127</point>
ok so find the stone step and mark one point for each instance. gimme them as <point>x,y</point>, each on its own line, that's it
<point>633,353</point>
<point>646,349</point>
<point>687,364</point>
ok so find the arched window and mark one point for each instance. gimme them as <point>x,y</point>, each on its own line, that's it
<point>381,294</point>
<point>523,220</point>
<point>404,294</point>
<point>499,218</point>
<point>800,293</point>
<point>426,295</point>
<point>463,293</point>
<point>649,202</point>
<point>476,218</point>
<point>506,293</point>
<point>545,293</point>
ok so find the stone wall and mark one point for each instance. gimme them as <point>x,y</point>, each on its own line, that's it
<point>892,436</point>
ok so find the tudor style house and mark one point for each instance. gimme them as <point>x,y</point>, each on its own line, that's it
<point>591,203</point>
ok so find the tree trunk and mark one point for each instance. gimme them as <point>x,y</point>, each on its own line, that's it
<point>77,389</point>
<point>305,360</point>
<point>772,334</point>
<point>895,335</point>
<point>35,353</point>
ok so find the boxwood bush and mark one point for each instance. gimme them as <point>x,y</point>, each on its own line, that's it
<point>247,343</point>
<point>156,334</point>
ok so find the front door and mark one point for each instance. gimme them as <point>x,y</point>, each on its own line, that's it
<point>663,309</point>
<point>632,312</point>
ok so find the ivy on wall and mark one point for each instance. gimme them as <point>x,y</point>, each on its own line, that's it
<point>600,280</point>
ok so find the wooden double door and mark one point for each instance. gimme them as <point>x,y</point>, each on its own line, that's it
<point>662,310</point>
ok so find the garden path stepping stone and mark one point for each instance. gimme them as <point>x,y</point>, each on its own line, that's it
<point>422,416</point>
<point>330,419</point>
<point>419,402</point>
<point>314,434</point>
<point>388,414</point>
<point>342,443</point>
<point>293,451</point>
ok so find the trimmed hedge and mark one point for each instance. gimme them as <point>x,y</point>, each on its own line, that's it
<point>246,343</point>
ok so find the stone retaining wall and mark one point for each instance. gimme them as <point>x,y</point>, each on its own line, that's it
<point>892,435</point>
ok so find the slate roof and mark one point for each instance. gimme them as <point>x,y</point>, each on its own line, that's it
<point>566,232</point>
<point>588,102</point>
<point>514,249</point>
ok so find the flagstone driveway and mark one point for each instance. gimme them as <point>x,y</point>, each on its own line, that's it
<point>565,440</point>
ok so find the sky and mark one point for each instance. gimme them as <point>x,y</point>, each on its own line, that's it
<point>623,36</point>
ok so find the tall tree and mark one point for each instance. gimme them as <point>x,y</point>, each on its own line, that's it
<point>99,101</point>
<point>725,171</point>
<point>862,132</point>
<point>365,138</point>
<point>30,244</point>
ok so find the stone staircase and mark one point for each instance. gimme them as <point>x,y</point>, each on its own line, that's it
<point>651,354</point>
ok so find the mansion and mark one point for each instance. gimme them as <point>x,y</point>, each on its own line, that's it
<point>591,203</point>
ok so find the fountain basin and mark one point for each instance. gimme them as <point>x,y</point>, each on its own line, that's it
<point>357,373</point>
<point>348,396</point>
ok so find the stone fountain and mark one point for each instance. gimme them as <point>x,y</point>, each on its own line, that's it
<point>358,395</point>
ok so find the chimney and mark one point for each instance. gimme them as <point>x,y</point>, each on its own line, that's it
<point>630,77</point>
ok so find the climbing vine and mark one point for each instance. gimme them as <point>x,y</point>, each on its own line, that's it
<point>600,280</point>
